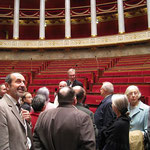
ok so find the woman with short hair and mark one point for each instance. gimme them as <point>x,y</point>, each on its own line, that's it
<point>116,134</point>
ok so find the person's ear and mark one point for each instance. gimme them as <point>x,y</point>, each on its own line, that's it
<point>43,107</point>
<point>7,86</point>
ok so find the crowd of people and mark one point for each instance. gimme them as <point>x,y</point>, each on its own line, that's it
<point>121,121</point>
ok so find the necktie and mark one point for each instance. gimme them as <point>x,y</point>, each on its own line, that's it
<point>19,107</point>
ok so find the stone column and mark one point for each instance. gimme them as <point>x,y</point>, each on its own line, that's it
<point>42,20</point>
<point>67,19</point>
<point>121,16</point>
<point>148,13</point>
<point>16,19</point>
<point>93,18</point>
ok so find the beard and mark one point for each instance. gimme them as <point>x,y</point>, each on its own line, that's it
<point>17,93</point>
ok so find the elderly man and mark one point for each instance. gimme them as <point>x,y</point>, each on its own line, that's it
<point>65,127</point>
<point>44,91</point>
<point>80,95</point>
<point>72,78</point>
<point>2,90</point>
<point>61,85</point>
<point>15,130</point>
<point>104,113</point>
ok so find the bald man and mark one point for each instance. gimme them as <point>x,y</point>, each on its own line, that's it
<point>64,127</point>
<point>61,85</point>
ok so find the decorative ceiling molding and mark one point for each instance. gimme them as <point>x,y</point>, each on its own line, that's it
<point>74,43</point>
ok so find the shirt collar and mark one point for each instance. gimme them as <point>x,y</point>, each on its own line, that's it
<point>12,99</point>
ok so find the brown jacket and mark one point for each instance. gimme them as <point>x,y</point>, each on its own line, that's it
<point>12,130</point>
<point>64,128</point>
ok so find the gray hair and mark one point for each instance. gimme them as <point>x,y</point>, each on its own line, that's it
<point>71,70</point>
<point>132,87</point>
<point>108,87</point>
<point>38,102</point>
<point>120,101</point>
<point>44,91</point>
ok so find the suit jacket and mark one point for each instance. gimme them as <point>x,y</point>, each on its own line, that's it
<point>26,106</point>
<point>103,116</point>
<point>64,128</point>
<point>75,83</point>
<point>12,129</point>
<point>139,117</point>
<point>90,113</point>
<point>116,135</point>
<point>82,108</point>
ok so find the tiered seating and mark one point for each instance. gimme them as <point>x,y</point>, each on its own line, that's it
<point>122,72</point>
<point>87,72</point>
<point>133,70</point>
<point>27,68</point>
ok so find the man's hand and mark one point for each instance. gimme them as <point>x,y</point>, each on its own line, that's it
<point>26,115</point>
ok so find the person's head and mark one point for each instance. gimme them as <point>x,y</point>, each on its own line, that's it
<point>79,93</point>
<point>72,74</point>
<point>15,85</point>
<point>66,95</point>
<point>133,94</point>
<point>120,104</point>
<point>44,91</point>
<point>27,97</point>
<point>106,89</point>
<point>38,103</point>
<point>62,84</point>
<point>2,89</point>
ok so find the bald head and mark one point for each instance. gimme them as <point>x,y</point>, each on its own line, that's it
<point>62,84</point>
<point>66,95</point>
<point>79,93</point>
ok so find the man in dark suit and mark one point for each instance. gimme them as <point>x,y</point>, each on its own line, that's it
<point>80,95</point>
<point>14,129</point>
<point>104,113</point>
<point>72,78</point>
<point>64,127</point>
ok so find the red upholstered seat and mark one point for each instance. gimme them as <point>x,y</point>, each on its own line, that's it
<point>93,99</point>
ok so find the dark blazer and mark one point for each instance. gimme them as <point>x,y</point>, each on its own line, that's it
<point>12,129</point>
<point>75,83</point>
<point>116,135</point>
<point>82,108</point>
<point>64,128</point>
<point>90,113</point>
<point>26,106</point>
<point>103,115</point>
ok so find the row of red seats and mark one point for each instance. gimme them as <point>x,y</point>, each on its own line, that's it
<point>127,73</point>
<point>131,80</point>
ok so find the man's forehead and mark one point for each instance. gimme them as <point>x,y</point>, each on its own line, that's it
<point>17,76</point>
